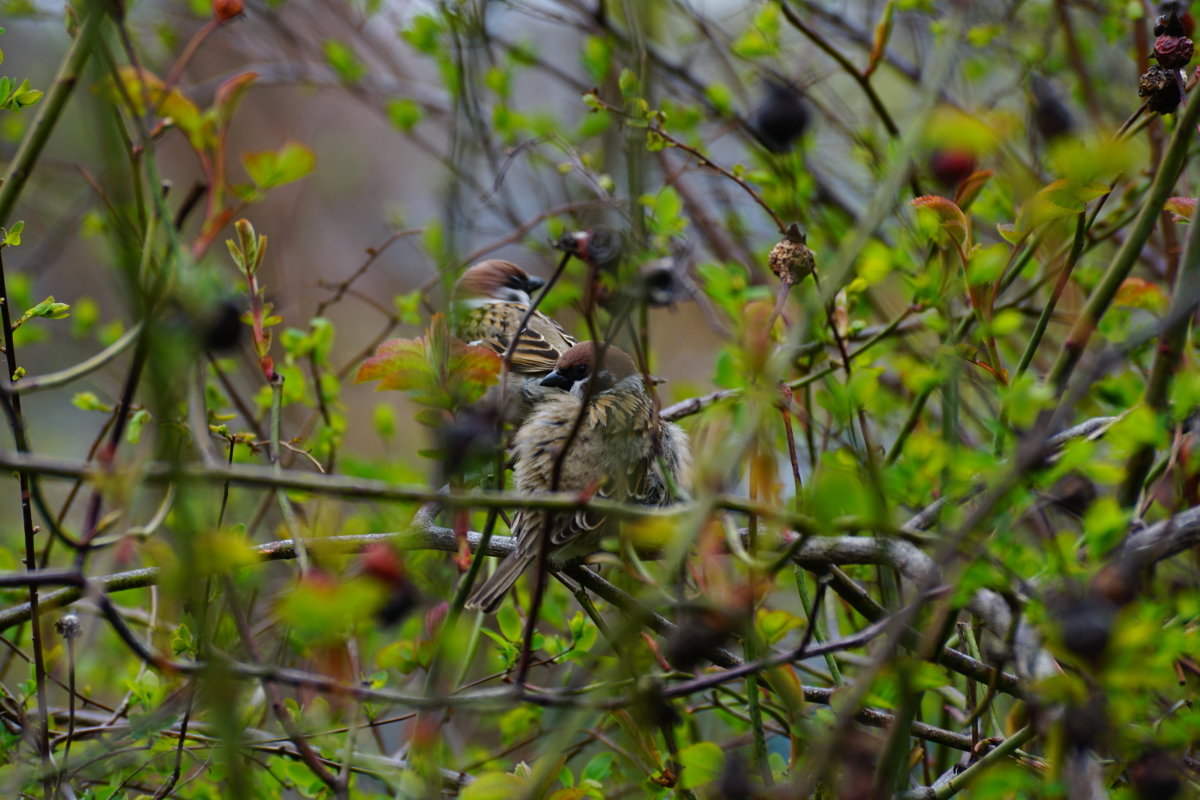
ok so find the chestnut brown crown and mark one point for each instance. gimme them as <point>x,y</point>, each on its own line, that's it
<point>578,364</point>
<point>499,280</point>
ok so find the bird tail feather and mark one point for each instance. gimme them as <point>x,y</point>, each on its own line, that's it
<point>488,595</point>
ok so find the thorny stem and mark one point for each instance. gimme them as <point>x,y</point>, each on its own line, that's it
<point>1166,359</point>
<point>1102,296</point>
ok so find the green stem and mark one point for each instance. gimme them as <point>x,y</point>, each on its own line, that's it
<point>960,781</point>
<point>818,624</point>
<point>73,373</point>
<point>1102,296</point>
<point>285,505</point>
<point>1166,358</point>
<point>51,108</point>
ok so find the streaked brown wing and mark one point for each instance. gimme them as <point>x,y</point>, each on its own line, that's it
<point>542,341</point>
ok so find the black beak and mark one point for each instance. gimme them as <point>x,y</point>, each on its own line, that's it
<point>556,380</point>
<point>573,242</point>
<point>534,283</point>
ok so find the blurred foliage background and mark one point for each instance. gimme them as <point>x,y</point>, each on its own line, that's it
<point>943,528</point>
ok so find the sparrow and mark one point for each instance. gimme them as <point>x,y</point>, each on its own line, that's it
<point>601,247</point>
<point>490,300</point>
<point>621,450</point>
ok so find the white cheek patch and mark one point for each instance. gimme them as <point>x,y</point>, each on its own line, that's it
<point>514,296</point>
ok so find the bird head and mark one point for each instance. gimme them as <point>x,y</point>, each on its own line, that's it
<point>578,367</point>
<point>603,247</point>
<point>499,280</point>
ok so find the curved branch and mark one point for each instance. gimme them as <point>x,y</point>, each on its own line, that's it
<point>37,383</point>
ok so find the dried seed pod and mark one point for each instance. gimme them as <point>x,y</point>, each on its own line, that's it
<point>1160,87</point>
<point>68,627</point>
<point>1173,52</point>
<point>791,260</point>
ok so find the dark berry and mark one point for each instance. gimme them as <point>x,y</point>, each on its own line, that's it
<point>1155,776</point>
<point>1086,625</point>
<point>780,119</point>
<point>950,167</point>
<point>223,327</point>
<point>1051,118</point>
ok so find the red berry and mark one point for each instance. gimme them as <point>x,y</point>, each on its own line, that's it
<point>1173,52</point>
<point>950,167</point>
<point>225,10</point>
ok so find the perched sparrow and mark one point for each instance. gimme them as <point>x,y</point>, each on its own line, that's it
<point>491,299</point>
<point>616,450</point>
<point>602,247</point>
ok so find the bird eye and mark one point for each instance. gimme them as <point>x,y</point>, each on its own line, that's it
<point>576,372</point>
<point>515,282</point>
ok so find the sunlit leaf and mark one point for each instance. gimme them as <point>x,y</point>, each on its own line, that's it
<point>701,763</point>
<point>949,216</point>
<point>273,168</point>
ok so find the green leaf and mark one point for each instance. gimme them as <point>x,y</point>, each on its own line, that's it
<point>986,264</point>
<point>719,95</point>
<point>495,786</point>
<point>949,217</point>
<point>142,88</point>
<point>343,61</point>
<point>599,768</point>
<point>1105,525</point>
<point>424,34</point>
<point>596,57</point>
<point>629,83</point>
<point>272,168</point>
<point>133,429</point>
<point>405,114</point>
<point>510,623</point>
<point>12,236</point>
<point>701,763</point>
<point>86,401</point>
<point>383,420</point>
<point>775,623</point>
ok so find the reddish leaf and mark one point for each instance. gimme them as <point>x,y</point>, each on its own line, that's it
<point>441,372</point>
<point>144,88</point>
<point>970,187</point>
<point>951,218</point>
<point>1184,208</point>
<point>1140,293</point>
<point>229,94</point>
